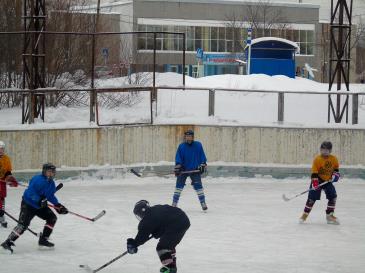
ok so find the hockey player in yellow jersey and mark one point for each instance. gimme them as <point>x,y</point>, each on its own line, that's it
<point>325,168</point>
<point>6,178</point>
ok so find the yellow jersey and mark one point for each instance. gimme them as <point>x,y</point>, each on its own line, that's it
<point>325,166</point>
<point>5,166</point>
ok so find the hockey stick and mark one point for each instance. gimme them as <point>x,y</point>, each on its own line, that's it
<point>162,173</point>
<point>59,186</point>
<point>286,199</point>
<point>101,214</point>
<point>9,183</point>
<point>31,231</point>
<point>87,268</point>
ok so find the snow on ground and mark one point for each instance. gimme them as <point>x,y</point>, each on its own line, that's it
<point>248,228</point>
<point>182,107</point>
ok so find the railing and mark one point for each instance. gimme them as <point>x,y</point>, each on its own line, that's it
<point>281,98</point>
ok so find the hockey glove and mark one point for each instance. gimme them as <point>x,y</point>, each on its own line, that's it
<point>43,202</point>
<point>177,170</point>
<point>11,181</point>
<point>202,168</point>
<point>132,246</point>
<point>61,209</point>
<point>335,177</point>
<point>315,183</point>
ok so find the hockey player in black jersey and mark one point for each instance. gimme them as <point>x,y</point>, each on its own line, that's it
<point>163,222</point>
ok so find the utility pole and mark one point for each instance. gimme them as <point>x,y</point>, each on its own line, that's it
<point>93,91</point>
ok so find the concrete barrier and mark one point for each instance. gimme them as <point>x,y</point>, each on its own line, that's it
<point>153,143</point>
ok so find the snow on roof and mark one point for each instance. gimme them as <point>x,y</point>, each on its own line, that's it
<point>243,2</point>
<point>263,39</point>
<point>103,5</point>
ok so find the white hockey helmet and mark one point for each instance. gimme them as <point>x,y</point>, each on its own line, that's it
<point>2,144</point>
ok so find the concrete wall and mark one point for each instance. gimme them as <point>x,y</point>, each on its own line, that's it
<point>118,145</point>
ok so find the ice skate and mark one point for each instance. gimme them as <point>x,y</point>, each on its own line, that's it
<point>165,269</point>
<point>204,206</point>
<point>331,219</point>
<point>7,245</point>
<point>3,223</point>
<point>44,244</point>
<point>303,218</point>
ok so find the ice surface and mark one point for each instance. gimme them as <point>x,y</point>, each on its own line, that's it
<point>248,228</point>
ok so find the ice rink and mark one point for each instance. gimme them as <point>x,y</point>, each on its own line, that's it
<point>248,228</point>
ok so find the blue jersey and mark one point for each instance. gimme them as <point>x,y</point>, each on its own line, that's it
<point>190,156</point>
<point>40,187</point>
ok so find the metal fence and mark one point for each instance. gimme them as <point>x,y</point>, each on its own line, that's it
<point>33,99</point>
<point>280,100</point>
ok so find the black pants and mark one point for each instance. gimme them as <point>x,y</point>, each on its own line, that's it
<point>26,215</point>
<point>169,240</point>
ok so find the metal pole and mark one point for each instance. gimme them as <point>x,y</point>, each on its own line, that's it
<point>184,49</point>
<point>280,107</point>
<point>211,102</point>
<point>249,37</point>
<point>154,60</point>
<point>355,109</point>
<point>93,92</point>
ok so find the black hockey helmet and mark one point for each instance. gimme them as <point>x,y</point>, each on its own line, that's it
<point>189,132</point>
<point>48,166</point>
<point>326,145</point>
<point>140,209</point>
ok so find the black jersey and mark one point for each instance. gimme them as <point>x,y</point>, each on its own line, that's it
<point>159,220</point>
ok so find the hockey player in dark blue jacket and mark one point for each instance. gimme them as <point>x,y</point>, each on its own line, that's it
<point>190,156</point>
<point>41,189</point>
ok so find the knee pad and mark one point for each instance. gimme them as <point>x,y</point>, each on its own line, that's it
<point>19,229</point>
<point>166,257</point>
<point>52,221</point>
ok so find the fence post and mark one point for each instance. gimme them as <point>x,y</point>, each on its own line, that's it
<point>355,108</point>
<point>211,102</point>
<point>280,107</point>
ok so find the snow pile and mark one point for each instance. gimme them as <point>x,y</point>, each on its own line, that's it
<point>191,106</point>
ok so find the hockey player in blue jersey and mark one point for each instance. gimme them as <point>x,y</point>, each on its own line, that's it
<point>190,156</point>
<point>41,189</point>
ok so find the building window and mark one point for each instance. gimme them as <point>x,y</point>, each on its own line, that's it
<point>217,39</point>
<point>194,72</point>
<point>174,68</point>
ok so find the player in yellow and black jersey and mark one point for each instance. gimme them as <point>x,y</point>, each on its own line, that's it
<point>325,168</point>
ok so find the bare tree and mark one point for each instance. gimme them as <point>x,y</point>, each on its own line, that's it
<point>357,43</point>
<point>10,48</point>
<point>261,16</point>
